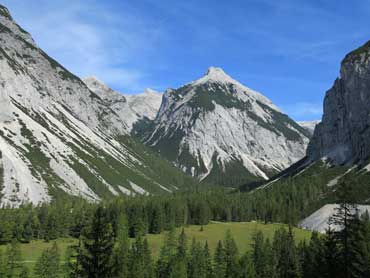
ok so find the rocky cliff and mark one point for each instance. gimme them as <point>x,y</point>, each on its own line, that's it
<point>343,136</point>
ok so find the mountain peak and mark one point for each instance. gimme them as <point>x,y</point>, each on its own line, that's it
<point>215,71</point>
<point>215,74</point>
<point>5,12</point>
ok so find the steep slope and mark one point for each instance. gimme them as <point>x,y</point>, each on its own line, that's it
<point>344,133</point>
<point>340,147</point>
<point>58,138</point>
<point>309,125</point>
<point>130,108</point>
<point>220,131</point>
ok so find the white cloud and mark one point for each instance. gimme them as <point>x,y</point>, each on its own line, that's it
<point>91,40</point>
<point>304,110</point>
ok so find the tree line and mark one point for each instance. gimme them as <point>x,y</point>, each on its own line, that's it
<point>286,203</point>
<point>104,251</point>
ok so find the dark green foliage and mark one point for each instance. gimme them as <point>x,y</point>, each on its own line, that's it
<point>97,251</point>
<point>140,261</point>
<point>220,261</point>
<point>167,258</point>
<point>48,265</point>
<point>12,260</point>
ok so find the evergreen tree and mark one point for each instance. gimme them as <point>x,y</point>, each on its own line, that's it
<point>231,257</point>
<point>219,261</point>
<point>197,263</point>
<point>96,255</point>
<point>246,267</point>
<point>344,216</point>
<point>48,265</point>
<point>25,273</point>
<point>2,264</point>
<point>12,262</point>
<point>140,262</point>
<point>167,256</point>
<point>208,261</point>
<point>259,255</point>
<point>122,248</point>
<point>286,254</point>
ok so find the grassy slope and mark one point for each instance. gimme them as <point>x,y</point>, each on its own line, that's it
<point>242,233</point>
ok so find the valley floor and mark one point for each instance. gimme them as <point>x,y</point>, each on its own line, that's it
<point>242,232</point>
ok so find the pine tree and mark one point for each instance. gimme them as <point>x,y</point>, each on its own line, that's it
<point>96,255</point>
<point>13,260</point>
<point>48,265</point>
<point>219,261</point>
<point>246,267</point>
<point>259,255</point>
<point>332,266</point>
<point>2,264</point>
<point>208,261</point>
<point>286,254</point>
<point>25,273</point>
<point>344,216</point>
<point>141,265</point>
<point>167,256</point>
<point>231,257</point>
<point>197,263</point>
<point>122,248</point>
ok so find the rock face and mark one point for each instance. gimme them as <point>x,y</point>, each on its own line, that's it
<point>59,137</point>
<point>309,125</point>
<point>343,136</point>
<point>129,108</point>
<point>222,132</point>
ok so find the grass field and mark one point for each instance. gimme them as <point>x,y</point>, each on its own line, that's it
<point>212,233</point>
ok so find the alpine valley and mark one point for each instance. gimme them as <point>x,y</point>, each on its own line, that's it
<point>62,136</point>
<point>58,138</point>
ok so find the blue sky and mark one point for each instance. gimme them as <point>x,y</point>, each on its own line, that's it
<point>289,50</point>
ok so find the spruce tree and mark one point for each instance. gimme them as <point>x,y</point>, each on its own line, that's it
<point>96,255</point>
<point>208,261</point>
<point>231,257</point>
<point>48,265</point>
<point>197,263</point>
<point>2,264</point>
<point>259,255</point>
<point>141,265</point>
<point>219,261</point>
<point>122,247</point>
<point>345,215</point>
<point>332,266</point>
<point>247,269</point>
<point>286,254</point>
<point>12,260</point>
<point>167,256</point>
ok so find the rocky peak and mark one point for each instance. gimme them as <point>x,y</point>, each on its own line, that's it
<point>99,87</point>
<point>215,74</point>
<point>343,136</point>
<point>4,12</point>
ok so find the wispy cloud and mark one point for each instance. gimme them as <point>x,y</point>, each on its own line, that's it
<point>304,110</point>
<point>90,40</point>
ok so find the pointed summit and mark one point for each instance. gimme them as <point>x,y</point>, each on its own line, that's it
<point>215,74</point>
<point>5,12</point>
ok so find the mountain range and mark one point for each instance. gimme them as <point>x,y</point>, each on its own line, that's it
<point>59,138</point>
<point>62,136</point>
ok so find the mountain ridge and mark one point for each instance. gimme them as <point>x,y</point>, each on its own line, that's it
<point>59,139</point>
<point>211,112</point>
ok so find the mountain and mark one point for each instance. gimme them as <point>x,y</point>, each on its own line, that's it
<point>130,108</point>
<point>309,125</point>
<point>222,132</point>
<point>339,150</point>
<point>59,139</point>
